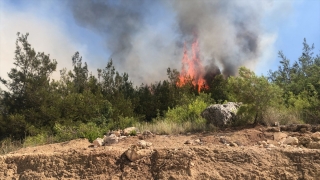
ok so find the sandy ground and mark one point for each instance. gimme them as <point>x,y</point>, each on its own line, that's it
<point>208,155</point>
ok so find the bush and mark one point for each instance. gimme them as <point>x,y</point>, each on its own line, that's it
<point>189,112</point>
<point>8,145</point>
<point>39,139</point>
<point>65,133</point>
<point>122,123</point>
<point>90,131</point>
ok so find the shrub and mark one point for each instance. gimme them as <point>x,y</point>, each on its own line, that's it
<point>65,133</point>
<point>39,139</point>
<point>189,112</point>
<point>90,131</point>
<point>8,145</point>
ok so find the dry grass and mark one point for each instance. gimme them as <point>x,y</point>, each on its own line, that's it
<point>272,115</point>
<point>169,127</point>
<point>8,145</point>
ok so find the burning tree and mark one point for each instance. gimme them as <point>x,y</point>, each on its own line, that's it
<point>192,68</point>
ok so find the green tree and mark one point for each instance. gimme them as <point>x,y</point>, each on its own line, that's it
<point>255,92</point>
<point>300,82</point>
<point>29,94</point>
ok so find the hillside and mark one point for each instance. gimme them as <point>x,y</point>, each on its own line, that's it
<point>229,154</point>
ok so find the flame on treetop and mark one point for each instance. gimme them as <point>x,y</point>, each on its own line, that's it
<point>192,68</point>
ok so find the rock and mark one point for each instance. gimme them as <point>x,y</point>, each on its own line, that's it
<point>316,136</point>
<point>273,129</point>
<point>134,153</point>
<point>270,146</point>
<point>278,136</point>
<point>112,139</point>
<point>147,133</point>
<point>98,142</point>
<point>291,141</point>
<point>117,133</point>
<point>239,143</point>
<point>315,128</point>
<point>314,145</point>
<point>129,130</point>
<point>233,144</point>
<point>197,141</point>
<point>122,137</point>
<point>304,127</point>
<point>143,144</point>
<point>223,140</point>
<point>304,140</point>
<point>303,130</point>
<point>188,142</point>
<point>263,143</point>
<point>221,114</point>
<point>283,128</point>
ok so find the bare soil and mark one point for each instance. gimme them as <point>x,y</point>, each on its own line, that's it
<point>211,157</point>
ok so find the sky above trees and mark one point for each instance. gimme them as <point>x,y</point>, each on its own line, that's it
<point>60,28</point>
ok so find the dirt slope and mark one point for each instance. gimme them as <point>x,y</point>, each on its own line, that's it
<point>171,158</point>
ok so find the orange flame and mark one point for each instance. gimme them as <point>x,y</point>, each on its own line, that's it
<point>192,68</point>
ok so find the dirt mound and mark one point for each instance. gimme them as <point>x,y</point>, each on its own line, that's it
<point>244,154</point>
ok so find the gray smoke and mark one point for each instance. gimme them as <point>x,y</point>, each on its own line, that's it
<point>228,32</point>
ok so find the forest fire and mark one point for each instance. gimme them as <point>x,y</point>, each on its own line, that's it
<point>192,68</point>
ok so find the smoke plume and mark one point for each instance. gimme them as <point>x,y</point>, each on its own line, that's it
<point>145,37</point>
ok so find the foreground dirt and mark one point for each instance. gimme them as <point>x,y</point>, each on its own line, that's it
<point>170,158</point>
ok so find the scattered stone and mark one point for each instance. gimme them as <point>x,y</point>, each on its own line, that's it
<point>117,133</point>
<point>276,124</point>
<point>147,133</point>
<point>233,144</point>
<point>112,139</point>
<point>197,141</point>
<point>314,145</point>
<point>304,140</point>
<point>129,130</point>
<point>278,136</point>
<point>122,137</point>
<point>134,153</point>
<point>304,127</point>
<point>221,114</point>
<point>316,136</point>
<point>263,143</point>
<point>98,142</point>
<point>239,143</point>
<point>291,141</point>
<point>273,129</point>
<point>303,130</point>
<point>223,140</point>
<point>143,144</point>
<point>188,142</point>
<point>270,146</point>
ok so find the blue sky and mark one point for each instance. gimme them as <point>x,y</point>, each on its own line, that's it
<point>54,30</point>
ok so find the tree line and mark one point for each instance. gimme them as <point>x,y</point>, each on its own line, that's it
<point>33,103</point>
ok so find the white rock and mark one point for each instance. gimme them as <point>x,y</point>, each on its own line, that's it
<point>129,130</point>
<point>98,142</point>
<point>112,139</point>
<point>279,136</point>
<point>291,141</point>
<point>316,136</point>
<point>134,153</point>
<point>144,144</point>
<point>271,146</point>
